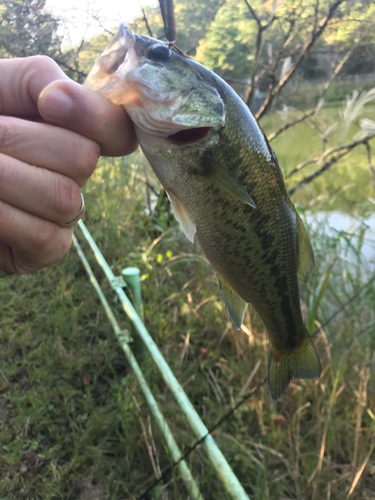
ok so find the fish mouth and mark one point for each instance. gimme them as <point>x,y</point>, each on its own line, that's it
<point>121,44</point>
<point>189,136</point>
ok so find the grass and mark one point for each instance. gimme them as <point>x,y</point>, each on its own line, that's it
<point>74,424</point>
<point>304,94</point>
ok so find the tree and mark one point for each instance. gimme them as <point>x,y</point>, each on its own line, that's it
<point>192,20</point>
<point>227,46</point>
<point>27,29</point>
<point>234,47</point>
<point>269,43</point>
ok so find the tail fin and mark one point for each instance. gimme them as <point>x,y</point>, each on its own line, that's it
<point>303,362</point>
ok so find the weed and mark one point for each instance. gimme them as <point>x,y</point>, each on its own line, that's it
<point>74,424</point>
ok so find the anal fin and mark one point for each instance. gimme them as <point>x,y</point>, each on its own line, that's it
<point>235,305</point>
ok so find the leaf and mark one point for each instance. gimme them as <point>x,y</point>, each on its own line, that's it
<point>159,258</point>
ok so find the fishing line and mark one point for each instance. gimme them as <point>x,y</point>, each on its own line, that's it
<point>189,449</point>
<point>246,396</point>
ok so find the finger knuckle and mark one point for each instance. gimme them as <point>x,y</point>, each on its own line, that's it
<point>60,247</point>
<point>102,120</point>
<point>6,173</point>
<point>6,218</point>
<point>43,62</point>
<point>6,134</point>
<point>68,198</point>
<point>44,237</point>
<point>66,243</point>
<point>88,158</point>
<point>50,243</point>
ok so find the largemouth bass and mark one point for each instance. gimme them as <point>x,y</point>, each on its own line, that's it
<point>225,186</point>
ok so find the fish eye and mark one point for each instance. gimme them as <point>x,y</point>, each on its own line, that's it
<point>160,53</point>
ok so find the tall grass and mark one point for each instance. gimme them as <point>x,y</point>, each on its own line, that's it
<point>70,423</point>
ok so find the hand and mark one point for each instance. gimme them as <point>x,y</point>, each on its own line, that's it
<point>52,131</point>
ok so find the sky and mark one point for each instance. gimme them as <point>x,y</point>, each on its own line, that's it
<point>84,18</point>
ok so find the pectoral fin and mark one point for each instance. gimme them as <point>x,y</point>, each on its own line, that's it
<point>225,180</point>
<point>306,255</point>
<point>235,305</point>
<point>186,223</point>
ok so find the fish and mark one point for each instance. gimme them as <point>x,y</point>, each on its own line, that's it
<point>225,186</point>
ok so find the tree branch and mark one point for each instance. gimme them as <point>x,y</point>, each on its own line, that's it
<point>304,50</point>
<point>342,151</point>
<point>291,124</point>
<point>328,83</point>
<point>261,28</point>
<point>253,13</point>
<point>370,165</point>
<point>146,20</point>
<point>316,9</point>
<point>82,75</point>
<point>345,58</point>
<point>271,67</point>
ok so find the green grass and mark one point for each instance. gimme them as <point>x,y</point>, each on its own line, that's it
<point>69,423</point>
<point>305,94</point>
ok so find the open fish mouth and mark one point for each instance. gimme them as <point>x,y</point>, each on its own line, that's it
<point>117,51</point>
<point>117,64</point>
<point>189,136</point>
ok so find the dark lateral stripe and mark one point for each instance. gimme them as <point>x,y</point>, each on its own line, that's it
<point>289,323</point>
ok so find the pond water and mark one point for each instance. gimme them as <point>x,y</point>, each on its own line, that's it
<point>342,199</point>
<point>359,230</point>
<point>347,186</point>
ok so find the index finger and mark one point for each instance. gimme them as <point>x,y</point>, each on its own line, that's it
<point>21,82</point>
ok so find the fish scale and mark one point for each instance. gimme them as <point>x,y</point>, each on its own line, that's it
<point>226,188</point>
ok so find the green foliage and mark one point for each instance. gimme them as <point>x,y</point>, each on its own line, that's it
<point>222,35</point>
<point>27,29</point>
<point>154,20</point>
<point>228,46</point>
<point>347,186</point>
<point>90,50</point>
<point>192,20</point>
<point>69,424</point>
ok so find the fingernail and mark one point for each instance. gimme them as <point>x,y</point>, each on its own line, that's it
<point>55,103</point>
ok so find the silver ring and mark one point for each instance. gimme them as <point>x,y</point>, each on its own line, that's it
<point>79,212</point>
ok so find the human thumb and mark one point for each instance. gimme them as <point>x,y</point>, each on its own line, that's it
<point>69,105</point>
